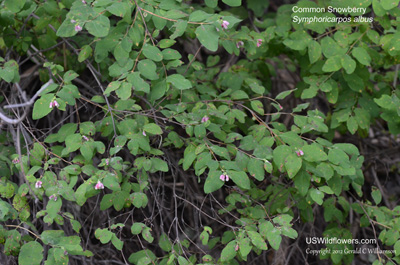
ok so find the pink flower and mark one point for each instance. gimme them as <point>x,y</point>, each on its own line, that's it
<point>299,153</point>
<point>259,42</point>
<point>225,24</point>
<point>107,161</point>
<point>237,247</point>
<point>280,107</point>
<point>84,2</point>
<point>144,133</point>
<point>78,28</point>
<point>53,197</point>
<point>53,104</point>
<point>38,184</point>
<point>99,186</point>
<point>204,119</point>
<point>224,177</point>
<point>73,20</point>
<point>239,44</point>
<point>85,138</point>
<point>15,161</point>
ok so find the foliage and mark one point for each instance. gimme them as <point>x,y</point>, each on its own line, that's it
<point>157,109</point>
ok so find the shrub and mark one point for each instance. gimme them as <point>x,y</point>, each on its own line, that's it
<point>204,132</point>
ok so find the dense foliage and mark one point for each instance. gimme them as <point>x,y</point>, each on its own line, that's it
<point>198,132</point>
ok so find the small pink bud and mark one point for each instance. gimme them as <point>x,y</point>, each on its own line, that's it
<point>204,119</point>
<point>84,137</point>
<point>53,104</point>
<point>226,178</point>
<point>107,161</point>
<point>259,42</point>
<point>73,21</point>
<point>222,177</point>
<point>15,161</point>
<point>53,197</point>
<point>144,133</point>
<point>84,2</point>
<point>280,107</point>
<point>237,248</point>
<point>78,28</point>
<point>225,24</point>
<point>99,186</point>
<point>38,184</point>
<point>299,153</point>
<point>217,29</point>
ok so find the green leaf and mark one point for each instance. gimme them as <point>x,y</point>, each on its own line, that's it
<point>317,196</point>
<point>152,53</point>
<point>280,153</point>
<point>229,251</point>
<point>293,164</point>
<point>179,81</point>
<point>213,182</point>
<point>284,94</point>
<point>42,106</point>
<point>233,2</point>
<point>348,64</point>
<point>118,244</point>
<point>152,128</point>
<point>389,4</point>
<point>273,235</point>
<point>104,235</point>
<point>257,240</point>
<point>146,233</point>
<point>240,178</point>
<point>332,64</point>
<point>208,36</point>
<point>14,5</point>
<point>148,68</point>
<point>164,243</point>
<point>137,228</point>
<point>211,3</point>
<point>98,27</point>
<point>111,182</point>
<point>331,48</point>
<point>257,106</point>
<point>352,125</point>
<point>314,153</point>
<point>376,195</point>
<point>314,51</point>
<point>362,56</point>
<point>302,182</point>
<point>31,253</point>
<point>53,207</point>
<point>256,169</point>
<point>180,28</point>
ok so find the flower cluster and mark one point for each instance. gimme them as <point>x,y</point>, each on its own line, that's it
<point>38,184</point>
<point>225,24</point>
<point>53,104</point>
<point>15,161</point>
<point>53,197</point>
<point>99,186</point>
<point>224,177</point>
<point>78,28</point>
<point>259,42</point>
<point>204,119</point>
<point>299,152</point>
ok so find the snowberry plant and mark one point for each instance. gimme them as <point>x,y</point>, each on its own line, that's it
<point>194,132</point>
